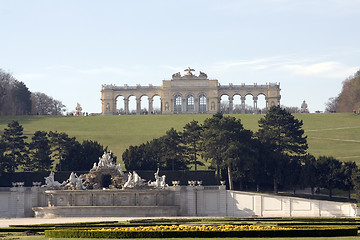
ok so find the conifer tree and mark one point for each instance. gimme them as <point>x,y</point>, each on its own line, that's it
<point>16,148</point>
<point>40,152</point>
<point>283,134</point>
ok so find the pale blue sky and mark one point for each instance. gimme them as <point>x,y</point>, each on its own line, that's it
<point>69,48</point>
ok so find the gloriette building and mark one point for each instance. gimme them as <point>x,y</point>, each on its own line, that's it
<point>187,94</point>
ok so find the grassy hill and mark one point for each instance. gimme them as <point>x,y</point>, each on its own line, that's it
<point>336,134</point>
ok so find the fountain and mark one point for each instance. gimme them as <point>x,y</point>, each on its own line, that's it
<point>107,191</point>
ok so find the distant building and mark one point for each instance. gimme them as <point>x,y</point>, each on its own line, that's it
<point>187,94</point>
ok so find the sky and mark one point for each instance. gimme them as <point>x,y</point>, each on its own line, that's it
<point>68,48</point>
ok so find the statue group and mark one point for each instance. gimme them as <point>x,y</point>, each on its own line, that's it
<point>105,167</point>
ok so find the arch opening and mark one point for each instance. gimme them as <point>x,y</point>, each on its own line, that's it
<point>202,103</point>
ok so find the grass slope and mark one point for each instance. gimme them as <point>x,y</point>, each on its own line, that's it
<point>336,134</point>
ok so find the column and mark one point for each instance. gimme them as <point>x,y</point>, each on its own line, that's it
<point>243,104</point>
<point>255,104</point>
<point>126,106</point>
<point>138,106</point>
<point>200,201</point>
<point>196,105</point>
<point>151,105</point>
<point>222,200</point>
<point>231,105</point>
<point>183,105</point>
<point>190,200</point>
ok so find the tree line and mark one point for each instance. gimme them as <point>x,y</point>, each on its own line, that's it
<point>44,149</point>
<point>16,99</point>
<point>274,156</point>
<point>349,98</point>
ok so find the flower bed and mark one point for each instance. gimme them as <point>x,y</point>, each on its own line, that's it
<point>182,231</point>
<point>222,228</point>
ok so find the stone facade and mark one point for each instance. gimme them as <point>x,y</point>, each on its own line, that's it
<point>191,200</point>
<point>187,94</point>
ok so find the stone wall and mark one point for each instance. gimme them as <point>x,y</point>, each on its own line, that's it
<point>192,200</point>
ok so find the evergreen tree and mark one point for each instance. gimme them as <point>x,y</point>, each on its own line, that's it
<point>309,173</point>
<point>329,173</point>
<point>21,97</point>
<point>348,169</point>
<point>191,137</point>
<point>172,152</point>
<point>16,153</point>
<point>283,134</point>
<point>90,153</point>
<point>40,153</point>
<point>5,161</point>
<point>62,147</point>
<point>225,141</point>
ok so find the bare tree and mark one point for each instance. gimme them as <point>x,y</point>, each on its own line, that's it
<point>45,105</point>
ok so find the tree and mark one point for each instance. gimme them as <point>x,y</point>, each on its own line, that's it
<point>224,140</point>
<point>6,80</point>
<point>349,98</point>
<point>146,156</point>
<point>61,146</point>
<point>21,98</point>
<point>328,170</point>
<point>283,134</point>
<point>90,153</point>
<point>45,105</point>
<point>5,161</point>
<point>309,173</point>
<point>16,148</point>
<point>172,152</point>
<point>348,169</point>
<point>191,139</point>
<point>40,153</point>
<point>332,105</point>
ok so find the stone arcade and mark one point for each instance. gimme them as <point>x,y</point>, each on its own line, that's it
<point>187,94</point>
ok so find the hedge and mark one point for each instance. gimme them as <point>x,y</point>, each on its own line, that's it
<point>300,232</point>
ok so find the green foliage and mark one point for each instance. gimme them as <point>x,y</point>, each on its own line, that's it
<point>39,148</point>
<point>328,171</point>
<point>282,134</point>
<point>191,138</point>
<point>172,151</point>
<point>224,142</point>
<point>21,98</point>
<point>16,153</point>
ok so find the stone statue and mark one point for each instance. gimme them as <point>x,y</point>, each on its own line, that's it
<point>176,75</point>
<point>78,110</point>
<point>105,161</point>
<point>159,181</point>
<point>189,71</point>
<point>304,108</point>
<point>74,182</point>
<point>134,180</point>
<point>118,167</point>
<point>130,181</point>
<point>50,181</point>
<point>204,75</point>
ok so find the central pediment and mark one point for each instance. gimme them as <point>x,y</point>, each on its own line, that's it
<point>189,75</point>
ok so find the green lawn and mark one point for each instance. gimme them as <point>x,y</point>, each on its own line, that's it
<point>336,134</point>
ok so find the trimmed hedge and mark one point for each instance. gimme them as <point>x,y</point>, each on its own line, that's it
<point>300,232</point>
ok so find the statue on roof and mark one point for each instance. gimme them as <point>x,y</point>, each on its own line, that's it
<point>189,71</point>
